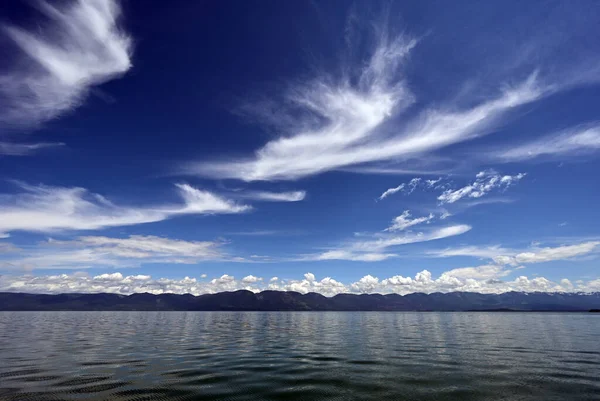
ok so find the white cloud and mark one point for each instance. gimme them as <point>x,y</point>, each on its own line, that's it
<point>385,241</point>
<point>98,251</point>
<point>475,251</point>
<point>391,191</point>
<point>484,272</point>
<point>445,214</point>
<point>373,249</point>
<point>81,46</point>
<point>571,142</point>
<point>485,182</point>
<point>204,202</point>
<point>352,256</point>
<point>432,183</point>
<point>404,221</point>
<point>251,279</point>
<point>367,284</point>
<point>540,255</point>
<point>482,279</point>
<point>293,196</point>
<point>412,185</point>
<point>142,246</point>
<point>48,209</point>
<point>503,256</point>
<point>409,188</point>
<point>338,122</point>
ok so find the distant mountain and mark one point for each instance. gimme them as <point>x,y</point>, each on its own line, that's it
<point>294,301</point>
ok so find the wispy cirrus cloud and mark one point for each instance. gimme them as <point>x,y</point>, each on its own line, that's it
<point>487,252</point>
<point>548,254</point>
<point>101,251</point>
<point>534,254</point>
<point>362,118</point>
<point>385,240</point>
<point>342,254</point>
<point>380,246</point>
<point>571,142</point>
<point>354,134</point>
<point>80,45</point>
<point>50,209</point>
<point>266,196</point>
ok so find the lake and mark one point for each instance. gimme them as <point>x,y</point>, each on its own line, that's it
<point>299,356</point>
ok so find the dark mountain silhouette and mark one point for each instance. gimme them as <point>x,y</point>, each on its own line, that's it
<point>294,301</point>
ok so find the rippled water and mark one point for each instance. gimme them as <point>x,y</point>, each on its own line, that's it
<point>298,356</point>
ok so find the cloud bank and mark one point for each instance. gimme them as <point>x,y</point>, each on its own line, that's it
<point>422,282</point>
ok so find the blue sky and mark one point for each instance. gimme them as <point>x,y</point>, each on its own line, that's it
<point>308,146</point>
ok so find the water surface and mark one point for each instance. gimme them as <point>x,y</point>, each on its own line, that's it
<point>299,356</point>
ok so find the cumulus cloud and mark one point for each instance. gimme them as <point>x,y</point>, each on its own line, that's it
<point>337,122</point>
<point>404,221</point>
<point>485,182</point>
<point>49,209</point>
<point>571,142</point>
<point>466,279</point>
<point>251,279</point>
<point>80,45</point>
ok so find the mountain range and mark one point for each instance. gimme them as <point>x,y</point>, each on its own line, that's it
<point>293,301</point>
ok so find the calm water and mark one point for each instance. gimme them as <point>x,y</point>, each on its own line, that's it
<point>298,356</point>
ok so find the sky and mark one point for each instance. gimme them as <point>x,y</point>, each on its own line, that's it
<point>324,146</point>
